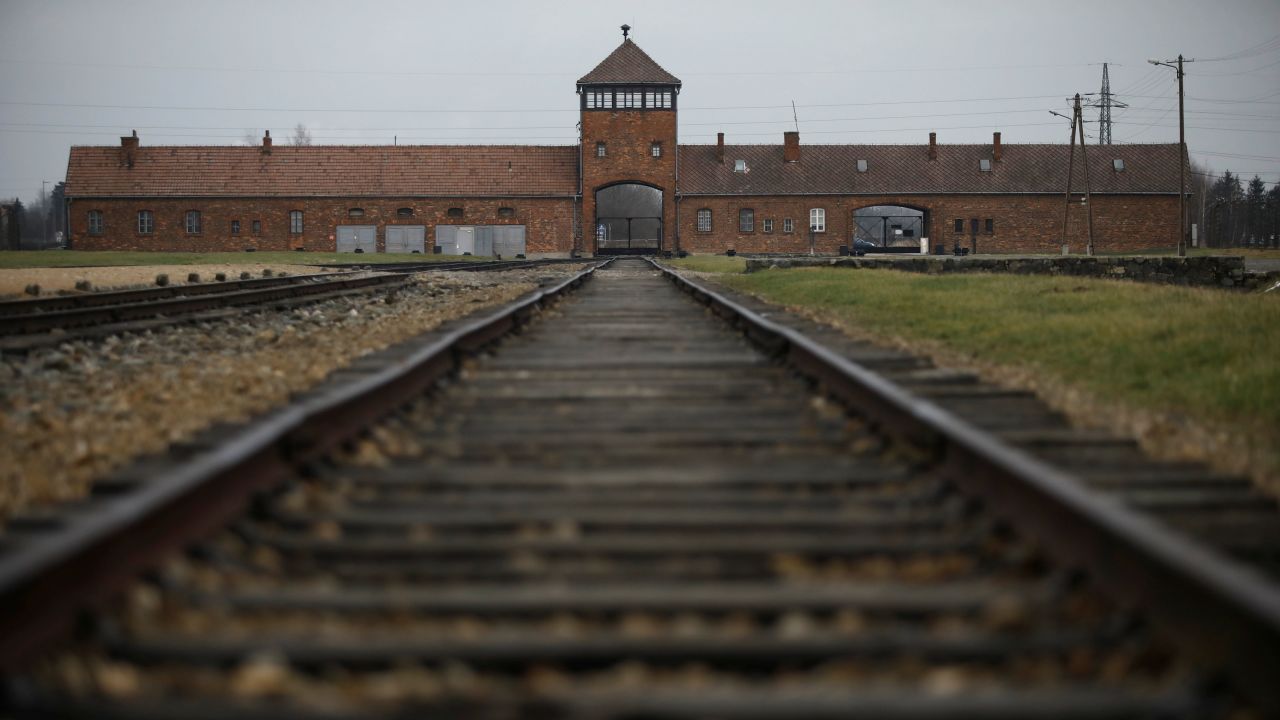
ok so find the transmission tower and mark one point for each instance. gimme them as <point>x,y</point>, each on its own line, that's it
<point>1104,103</point>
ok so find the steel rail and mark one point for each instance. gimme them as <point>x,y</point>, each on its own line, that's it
<point>1222,612</point>
<point>183,305</point>
<point>119,297</point>
<point>46,585</point>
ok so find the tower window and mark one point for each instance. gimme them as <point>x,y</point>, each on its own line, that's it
<point>655,149</point>
<point>704,220</point>
<point>746,220</point>
<point>601,151</point>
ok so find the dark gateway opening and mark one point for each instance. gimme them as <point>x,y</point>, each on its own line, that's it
<point>891,228</point>
<point>628,220</point>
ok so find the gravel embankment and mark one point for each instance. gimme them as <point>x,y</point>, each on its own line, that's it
<point>73,413</point>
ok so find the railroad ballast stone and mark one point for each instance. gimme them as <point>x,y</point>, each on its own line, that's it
<point>73,412</point>
<point>1209,271</point>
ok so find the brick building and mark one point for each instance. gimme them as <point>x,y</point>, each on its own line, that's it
<point>628,186</point>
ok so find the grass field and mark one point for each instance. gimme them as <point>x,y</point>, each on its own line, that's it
<point>710,263</point>
<point>1204,354</point>
<point>75,258</point>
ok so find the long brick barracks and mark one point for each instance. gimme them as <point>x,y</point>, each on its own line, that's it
<point>628,186</point>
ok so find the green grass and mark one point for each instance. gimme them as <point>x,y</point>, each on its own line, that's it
<point>710,263</point>
<point>73,258</point>
<point>1207,354</point>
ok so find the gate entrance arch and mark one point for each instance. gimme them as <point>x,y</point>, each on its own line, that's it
<point>628,220</point>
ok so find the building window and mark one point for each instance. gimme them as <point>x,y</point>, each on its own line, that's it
<point>506,212</point>
<point>768,226</point>
<point>862,166</point>
<point>193,222</point>
<point>95,222</point>
<point>704,220</point>
<point>355,212</point>
<point>404,212</point>
<point>235,227</point>
<point>256,227</point>
<point>455,212</point>
<point>818,220</point>
<point>655,149</point>
<point>984,165</point>
<point>788,225</point>
<point>740,166</point>
<point>629,98</point>
<point>600,150</point>
<point>990,226</point>
<point>959,225</point>
<point>295,222</point>
<point>973,225</point>
<point>146,222</point>
<point>1117,165</point>
<point>746,220</point>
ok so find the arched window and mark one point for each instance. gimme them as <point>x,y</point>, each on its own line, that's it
<point>506,212</point>
<point>455,212</point>
<point>193,222</point>
<point>818,220</point>
<point>355,212</point>
<point>146,222</point>
<point>404,212</point>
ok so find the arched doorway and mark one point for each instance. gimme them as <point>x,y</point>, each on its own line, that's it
<point>891,228</point>
<point>628,219</point>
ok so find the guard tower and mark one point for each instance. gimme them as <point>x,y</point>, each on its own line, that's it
<point>628,153</point>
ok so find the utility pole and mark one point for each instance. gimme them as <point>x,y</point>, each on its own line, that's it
<point>1182,154</point>
<point>1104,103</point>
<point>1077,121</point>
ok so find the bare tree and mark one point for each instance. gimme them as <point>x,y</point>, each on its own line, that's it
<point>301,136</point>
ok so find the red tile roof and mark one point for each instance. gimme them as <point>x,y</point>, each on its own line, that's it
<point>320,170</point>
<point>905,169</point>
<point>628,65</point>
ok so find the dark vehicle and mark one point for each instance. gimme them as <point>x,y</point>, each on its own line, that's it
<point>862,247</point>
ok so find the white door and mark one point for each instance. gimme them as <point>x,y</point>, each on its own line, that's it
<point>466,240</point>
<point>353,237</point>
<point>406,238</point>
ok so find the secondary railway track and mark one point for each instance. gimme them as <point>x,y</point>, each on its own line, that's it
<point>27,324</point>
<point>626,509</point>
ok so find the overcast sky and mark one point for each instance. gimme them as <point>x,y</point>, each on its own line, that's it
<point>488,72</point>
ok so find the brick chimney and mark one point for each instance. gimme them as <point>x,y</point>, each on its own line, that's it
<point>266,143</point>
<point>720,148</point>
<point>995,146</point>
<point>933,146</point>
<point>791,146</point>
<point>129,149</point>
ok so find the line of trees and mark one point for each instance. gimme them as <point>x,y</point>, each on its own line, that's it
<point>1232,213</point>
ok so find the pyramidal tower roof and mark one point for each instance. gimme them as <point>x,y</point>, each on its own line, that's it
<point>628,65</point>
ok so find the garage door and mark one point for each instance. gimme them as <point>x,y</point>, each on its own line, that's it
<point>362,237</point>
<point>406,238</point>
<point>508,240</point>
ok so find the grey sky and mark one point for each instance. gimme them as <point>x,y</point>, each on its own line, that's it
<point>480,72</point>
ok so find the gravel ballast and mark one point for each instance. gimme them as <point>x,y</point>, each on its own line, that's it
<point>13,283</point>
<point>75,412</point>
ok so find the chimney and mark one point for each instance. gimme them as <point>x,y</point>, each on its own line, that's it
<point>791,146</point>
<point>129,149</point>
<point>933,146</point>
<point>266,143</point>
<point>720,148</point>
<point>995,147</point>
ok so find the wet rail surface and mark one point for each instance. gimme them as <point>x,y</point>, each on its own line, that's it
<point>625,511</point>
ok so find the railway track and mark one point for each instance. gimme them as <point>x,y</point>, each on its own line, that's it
<point>625,509</point>
<point>29,324</point>
<point>460,266</point>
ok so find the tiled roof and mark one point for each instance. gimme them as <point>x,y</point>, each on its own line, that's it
<point>320,170</point>
<point>628,64</point>
<point>902,169</point>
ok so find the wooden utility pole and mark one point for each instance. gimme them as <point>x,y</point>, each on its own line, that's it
<point>1182,155</point>
<point>1077,121</point>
